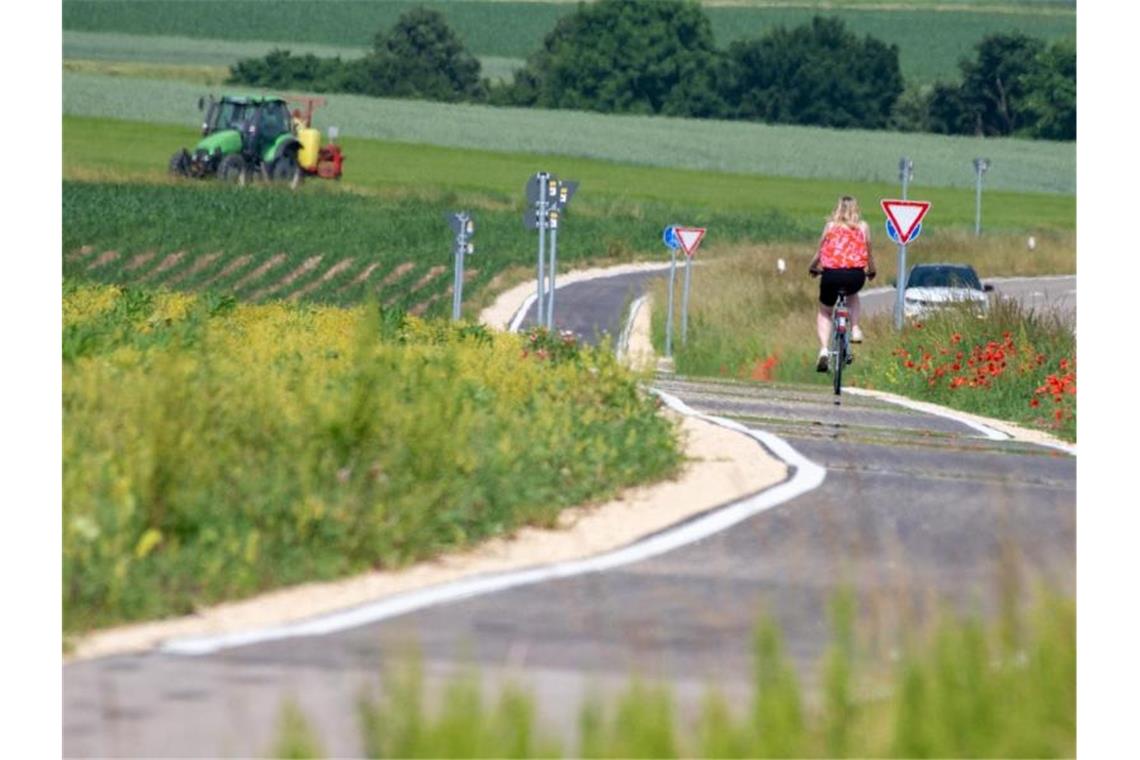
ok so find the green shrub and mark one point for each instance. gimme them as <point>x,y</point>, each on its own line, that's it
<point>212,450</point>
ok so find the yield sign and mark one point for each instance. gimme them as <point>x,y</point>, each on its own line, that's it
<point>689,238</point>
<point>905,216</point>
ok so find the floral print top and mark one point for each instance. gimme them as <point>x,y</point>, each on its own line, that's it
<point>843,247</point>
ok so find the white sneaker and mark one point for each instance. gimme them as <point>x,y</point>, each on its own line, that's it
<point>856,335</point>
<point>821,362</point>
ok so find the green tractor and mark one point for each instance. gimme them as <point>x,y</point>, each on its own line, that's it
<point>243,138</point>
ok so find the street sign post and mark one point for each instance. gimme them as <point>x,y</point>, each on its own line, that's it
<point>669,237</point>
<point>905,217</point>
<point>463,226</point>
<point>981,166</point>
<point>906,174</point>
<point>689,239</point>
<point>565,191</point>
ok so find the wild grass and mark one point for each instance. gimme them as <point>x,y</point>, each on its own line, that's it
<point>961,688</point>
<point>724,147</point>
<point>930,40</point>
<point>747,321</point>
<point>213,450</point>
<point>1016,365</point>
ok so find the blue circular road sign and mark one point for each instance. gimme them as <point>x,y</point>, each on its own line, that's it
<point>893,234</point>
<point>669,236</point>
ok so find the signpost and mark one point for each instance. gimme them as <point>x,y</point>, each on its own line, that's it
<point>548,196</point>
<point>906,174</point>
<point>687,239</point>
<point>669,236</point>
<point>463,226</point>
<point>566,191</point>
<point>904,219</point>
<point>690,238</point>
<point>981,166</point>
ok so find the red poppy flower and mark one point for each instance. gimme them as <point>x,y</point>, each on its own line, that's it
<point>1034,402</point>
<point>1058,414</point>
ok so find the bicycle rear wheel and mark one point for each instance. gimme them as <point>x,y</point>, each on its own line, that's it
<point>840,354</point>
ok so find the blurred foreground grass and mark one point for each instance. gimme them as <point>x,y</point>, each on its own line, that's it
<point>960,688</point>
<point>213,450</point>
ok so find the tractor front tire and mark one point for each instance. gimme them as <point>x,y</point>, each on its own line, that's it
<point>179,164</point>
<point>233,169</point>
<point>287,170</point>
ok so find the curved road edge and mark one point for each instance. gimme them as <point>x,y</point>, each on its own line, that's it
<point>803,476</point>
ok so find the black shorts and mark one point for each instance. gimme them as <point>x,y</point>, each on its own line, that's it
<point>850,281</point>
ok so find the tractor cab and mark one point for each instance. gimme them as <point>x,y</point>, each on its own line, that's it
<point>222,114</point>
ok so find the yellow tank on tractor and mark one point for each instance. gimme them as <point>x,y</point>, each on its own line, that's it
<point>315,159</point>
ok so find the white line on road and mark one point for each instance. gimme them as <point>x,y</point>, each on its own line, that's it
<point>806,476</point>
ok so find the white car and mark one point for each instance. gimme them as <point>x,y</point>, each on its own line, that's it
<point>934,286</point>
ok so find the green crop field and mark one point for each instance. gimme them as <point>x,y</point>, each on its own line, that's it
<point>188,52</point>
<point>931,39</point>
<point>92,149</point>
<point>730,147</point>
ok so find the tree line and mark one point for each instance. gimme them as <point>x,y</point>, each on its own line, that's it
<point>659,57</point>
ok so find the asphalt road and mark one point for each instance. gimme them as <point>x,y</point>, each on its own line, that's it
<point>915,511</point>
<point>1055,295</point>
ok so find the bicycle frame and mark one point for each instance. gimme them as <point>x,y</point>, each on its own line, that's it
<point>840,345</point>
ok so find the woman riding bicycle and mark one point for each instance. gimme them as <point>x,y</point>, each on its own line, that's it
<point>845,263</point>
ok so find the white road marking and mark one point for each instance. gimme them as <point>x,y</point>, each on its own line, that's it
<point>521,313</point>
<point>623,340</point>
<point>806,476</point>
<point>928,408</point>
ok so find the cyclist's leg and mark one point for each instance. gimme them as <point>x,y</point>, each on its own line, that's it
<point>828,294</point>
<point>823,325</point>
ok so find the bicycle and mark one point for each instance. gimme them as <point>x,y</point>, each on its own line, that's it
<point>839,351</point>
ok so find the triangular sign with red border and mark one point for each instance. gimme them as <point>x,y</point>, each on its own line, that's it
<point>905,216</point>
<point>690,238</point>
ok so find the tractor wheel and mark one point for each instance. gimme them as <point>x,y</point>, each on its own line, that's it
<point>286,169</point>
<point>233,169</point>
<point>178,164</point>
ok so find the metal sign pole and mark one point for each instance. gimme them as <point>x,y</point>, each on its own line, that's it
<point>541,246</point>
<point>455,296</point>
<point>906,169</point>
<point>553,267</point>
<point>981,165</point>
<point>669,318</point>
<point>685,301</point>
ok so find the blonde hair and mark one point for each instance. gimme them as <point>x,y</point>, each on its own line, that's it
<point>846,212</point>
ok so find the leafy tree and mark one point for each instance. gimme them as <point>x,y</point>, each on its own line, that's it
<point>280,68</point>
<point>627,56</point>
<point>994,86</point>
<point>421,57</point>
<point>1014,86</point>
<point>818,73</point>
<point>1051,93</point>
<point>949,113</point>
<point>912,110</point>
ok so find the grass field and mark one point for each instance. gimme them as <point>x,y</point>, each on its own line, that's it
<point>930,39</point>
<point>183,55</point>
<point>718,146</point>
